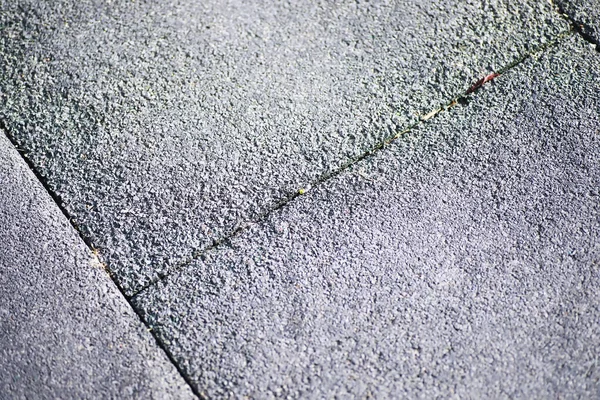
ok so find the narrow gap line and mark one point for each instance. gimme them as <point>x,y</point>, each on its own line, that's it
<point>287,199</point>
<point>57,200</point>
<point>577,26</point>
<point>425,119</point>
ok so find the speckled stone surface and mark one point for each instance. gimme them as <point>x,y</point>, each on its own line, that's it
<point>166,125</point>
<point>66,332</point>
<point>586,13</point>
<point>462,261</point>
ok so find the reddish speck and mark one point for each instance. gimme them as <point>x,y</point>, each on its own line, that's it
<point>480,82</point>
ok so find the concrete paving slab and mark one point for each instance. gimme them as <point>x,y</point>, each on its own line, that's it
<point>462,261</point>
<point>166,125</point>
<point>66,332</point>
<point>586,13</point>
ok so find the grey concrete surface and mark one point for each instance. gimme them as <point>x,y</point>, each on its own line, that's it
<point>462,261</point>
<point>66,332</point>
<point>585,12</point>
<point>165,125</point>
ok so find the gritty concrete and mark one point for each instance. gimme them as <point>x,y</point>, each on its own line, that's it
<point>462,261</point>
<point>165,125</point>
<point>586,13</point>
<point>65,330</point>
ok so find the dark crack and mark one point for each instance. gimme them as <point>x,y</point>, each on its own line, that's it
<point>461,99</point>
<point>58,201</point>
<point>577,26</point>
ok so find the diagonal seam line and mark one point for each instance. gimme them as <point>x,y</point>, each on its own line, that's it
<point>577,26</point>
<point>379,146</point>
<point>60,204</point>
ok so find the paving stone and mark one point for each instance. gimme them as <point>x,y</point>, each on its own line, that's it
<point>164,126</point>
<point>66,332</point>
<point>461,261</point>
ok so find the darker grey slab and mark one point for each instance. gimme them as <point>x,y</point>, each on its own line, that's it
<point>586,12</point>
<point>164,126</point>
<point>65,330</point>
<point>461,261</point>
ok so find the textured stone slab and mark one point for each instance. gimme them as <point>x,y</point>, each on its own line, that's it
<point>164,126</point>
<point>65,330</point>
<point>461,261</point>
<point>586,12</point>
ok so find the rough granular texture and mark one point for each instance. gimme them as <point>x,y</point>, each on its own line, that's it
<point>65,330</point>
<point>165,126</point>
<point>461,261</point>
<point>586,13</point>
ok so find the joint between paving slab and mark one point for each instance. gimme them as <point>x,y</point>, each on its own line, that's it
<point>96,260</point>
<point>424,119</point>
<point>577,26</point>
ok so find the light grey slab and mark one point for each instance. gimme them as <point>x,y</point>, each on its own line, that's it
<point>65,330</point>
<point>462,261</point>
<point>166,125</point>
<point>586,13</point>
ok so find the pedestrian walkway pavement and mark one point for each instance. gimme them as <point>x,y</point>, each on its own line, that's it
<point>300,199</point>
<point>65,330</point>
<point>465,251</point>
